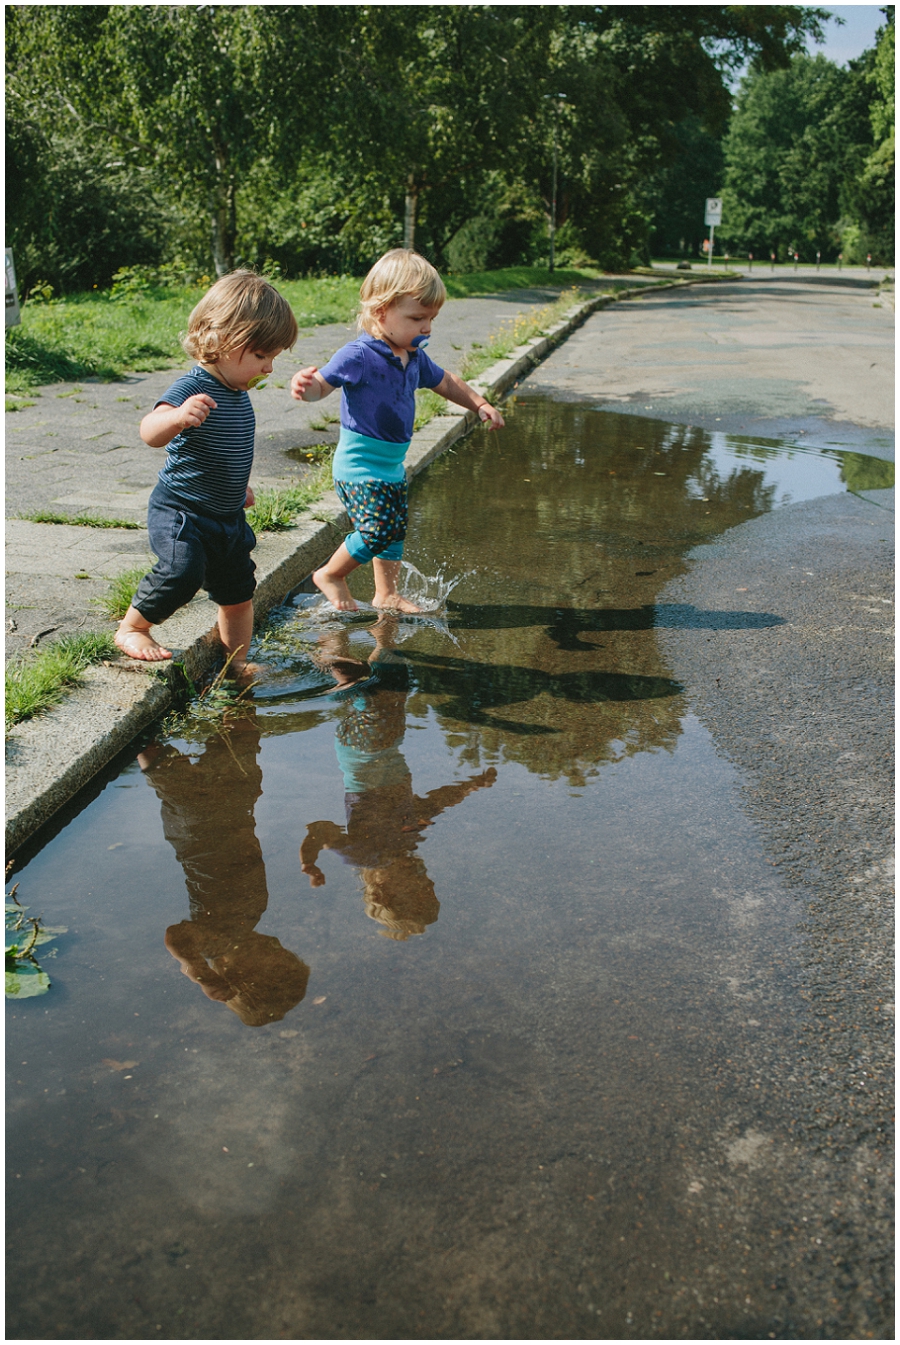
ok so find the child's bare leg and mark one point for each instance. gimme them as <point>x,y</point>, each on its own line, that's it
<point>134,639</point>
<point>236,632</point>
<point>332,579</point>
<point>333,655</point>
<point>386,574</point>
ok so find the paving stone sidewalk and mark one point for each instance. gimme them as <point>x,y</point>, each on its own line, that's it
<point>78,451</point>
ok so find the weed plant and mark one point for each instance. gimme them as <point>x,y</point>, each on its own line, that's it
<point>210,708</point>
<point>116,602</point>
<point>515,332</point>
<point>276,510</point>
<point>78,520</point>
<point>35,683</point>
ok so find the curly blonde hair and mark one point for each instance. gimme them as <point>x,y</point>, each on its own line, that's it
<point>397,273</point>
<point>240,310</point>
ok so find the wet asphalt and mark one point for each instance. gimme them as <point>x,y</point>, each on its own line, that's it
<point>805,714</point>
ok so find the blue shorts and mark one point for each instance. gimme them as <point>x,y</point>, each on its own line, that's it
<point>379,513</point>
<point>195,551</point>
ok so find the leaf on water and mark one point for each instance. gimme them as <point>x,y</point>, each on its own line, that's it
<point>26,980</point>
<point>319,999</point>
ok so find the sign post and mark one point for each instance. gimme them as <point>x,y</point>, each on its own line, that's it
<point>712,217</point>
<point>12,295</point>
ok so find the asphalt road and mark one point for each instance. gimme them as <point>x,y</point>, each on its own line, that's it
<point>805,711</point>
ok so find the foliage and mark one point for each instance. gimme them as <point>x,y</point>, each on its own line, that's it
<point>276,510</point>
<point>313,138</point>
<point>804,166</point>
<point>677,193</point>
<point>36,683</point>
<point>25,977</point>
<point>78,520</point>
<point>117,600</point>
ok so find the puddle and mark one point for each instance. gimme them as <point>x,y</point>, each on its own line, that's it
<point>431,995</point>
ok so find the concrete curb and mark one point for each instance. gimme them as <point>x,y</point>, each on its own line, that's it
<point>50,758</point>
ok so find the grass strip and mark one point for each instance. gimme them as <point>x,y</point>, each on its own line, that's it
<point>117,600</point>
<point>78,520</point>
<point>102,335</point>
<point>35,684</point>
<point>276,510</point>
<point>515,332</point>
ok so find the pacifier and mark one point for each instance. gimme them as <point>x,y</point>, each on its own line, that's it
<point>257,381</point>
<point>420,341</point>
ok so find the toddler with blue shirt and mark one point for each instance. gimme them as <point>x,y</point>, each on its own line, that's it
<point>205,419</point>
<point>378,374</point>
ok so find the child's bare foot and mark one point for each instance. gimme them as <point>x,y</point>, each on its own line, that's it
<point>335,590</point>
<point>245,672</point>
<point>139,645</point>
<point>395,602</point>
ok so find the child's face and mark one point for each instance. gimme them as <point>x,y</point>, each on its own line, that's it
<point>403,320</point>
<point>241,369</point>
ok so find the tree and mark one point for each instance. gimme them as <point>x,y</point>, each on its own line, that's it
<point>870,197</point>
<point>796,137</point>
<point>196,93</point>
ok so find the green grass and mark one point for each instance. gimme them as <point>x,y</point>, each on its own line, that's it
<point>276,510</point>
<point>99,336</point>
<point>516,331</point>
<point>428,405</point>
<point>118,599</point>
<point>80,520</point>
<point>521,278</point>
<point>39,682</point>
<point>17,404</point>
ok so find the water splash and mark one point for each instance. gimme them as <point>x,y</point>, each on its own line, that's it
<point>428,592</point>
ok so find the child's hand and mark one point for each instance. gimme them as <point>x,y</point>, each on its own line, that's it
<point>302,380</point>
<point>316,876</point>
<point>488,413</point>
<point>249,499</point>
<point>195,410</point>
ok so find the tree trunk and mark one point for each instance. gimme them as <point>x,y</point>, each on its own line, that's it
<point>222,216</point>
<point>409,216</point>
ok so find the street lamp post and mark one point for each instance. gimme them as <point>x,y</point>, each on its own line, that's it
<point>556,97</point>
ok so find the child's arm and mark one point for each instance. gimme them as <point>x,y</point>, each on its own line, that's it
<point>319,836</point>
<point>160,426</point>
<point>308,385</point>
<point>455,390</point>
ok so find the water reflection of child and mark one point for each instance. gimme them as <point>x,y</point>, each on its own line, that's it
<point>385,820</point>
<point>207,814</point>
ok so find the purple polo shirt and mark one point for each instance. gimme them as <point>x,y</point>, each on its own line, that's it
<point>378,394</point>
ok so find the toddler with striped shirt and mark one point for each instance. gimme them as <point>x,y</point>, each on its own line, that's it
<point>378,374</point>
<point>196,517</point>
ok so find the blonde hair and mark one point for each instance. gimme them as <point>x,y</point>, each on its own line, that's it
<point>240,310</point>
<point>398,273</point>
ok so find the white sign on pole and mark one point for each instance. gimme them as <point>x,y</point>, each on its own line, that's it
<point>12,296</point>
<point>713,210</point>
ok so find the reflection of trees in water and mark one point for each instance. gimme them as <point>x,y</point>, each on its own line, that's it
<point>610,489</point>
<point>587,515</point>
<point>557,724</point>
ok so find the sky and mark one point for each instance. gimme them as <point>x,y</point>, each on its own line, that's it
<point>842,44</point>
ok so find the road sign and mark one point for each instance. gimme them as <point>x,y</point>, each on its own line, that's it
<point>12,296</point>
<point>713,210</point>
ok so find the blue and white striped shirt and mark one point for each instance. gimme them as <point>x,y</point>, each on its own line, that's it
<point>209,465</point>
